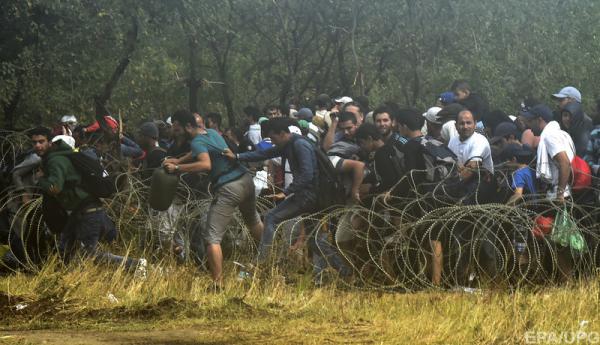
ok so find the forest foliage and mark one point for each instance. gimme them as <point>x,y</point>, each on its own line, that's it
<point>145,59</point>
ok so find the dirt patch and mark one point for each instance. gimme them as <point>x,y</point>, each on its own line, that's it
<point>171,337</point>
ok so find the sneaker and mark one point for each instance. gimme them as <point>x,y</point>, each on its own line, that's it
<point>141,271</point>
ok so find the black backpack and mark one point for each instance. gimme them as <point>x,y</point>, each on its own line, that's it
<point>330,190</point>
<point>94,178</point>
<point>440,161</point>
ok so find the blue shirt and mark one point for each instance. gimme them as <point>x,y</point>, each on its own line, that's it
<point>222,170</point>
<point>524,178</point>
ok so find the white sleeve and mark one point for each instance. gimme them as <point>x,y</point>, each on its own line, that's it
<point>254,136</point>
<point>553,145</point>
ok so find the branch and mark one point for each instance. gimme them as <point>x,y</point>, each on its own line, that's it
<point>102,98</point>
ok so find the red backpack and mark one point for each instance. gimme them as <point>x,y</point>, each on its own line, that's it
<point>582,174</point>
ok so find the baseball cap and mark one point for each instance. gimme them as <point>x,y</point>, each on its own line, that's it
<point>569,92</point>
<point>450,112</point>
<point>447,97</point>
<point>69,140</point>
<point>149,129</point>
<point>505,129</point>
<point>540,110</point>
<point>68,118</point>
<point>343,100</point>
<point>262,119</point>
<point>516,151</point>
<point>432,115</point>
<point>304,114</point>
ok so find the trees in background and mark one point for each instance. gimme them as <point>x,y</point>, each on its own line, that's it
<point>145,59</point>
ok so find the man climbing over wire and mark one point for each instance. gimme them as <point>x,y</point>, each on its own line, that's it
<point>232,187</point>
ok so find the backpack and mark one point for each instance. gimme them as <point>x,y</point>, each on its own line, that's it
<point>331,191</point>
<point>582,174</point>
<point>94,178</point>
<point>440,161</point>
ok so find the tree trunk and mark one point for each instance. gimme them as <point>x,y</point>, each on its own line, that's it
<point>102,98</point>
<point>10,109</point>
<point>225,91</point>
<point>193,83</point>
<point>114,165</point>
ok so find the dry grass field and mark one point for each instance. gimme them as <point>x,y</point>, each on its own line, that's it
<point>97,305</point>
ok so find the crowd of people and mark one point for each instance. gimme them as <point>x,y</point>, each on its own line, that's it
<point>326,153</point>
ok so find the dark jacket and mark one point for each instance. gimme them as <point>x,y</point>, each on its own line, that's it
<point>477,105</point>
<point>60,173</point>
<point>581,127</point>
<point>300,153</point>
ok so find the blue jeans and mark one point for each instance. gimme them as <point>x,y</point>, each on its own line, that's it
<point>324,254</point>
<point>292,207</point>
<point>83,232</point>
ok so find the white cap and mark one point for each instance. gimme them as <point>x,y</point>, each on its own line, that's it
<point>66,139</point>
<point>343,100</point>
<point>568,92</point>
<point>431,115</point>
<point>68,118</point>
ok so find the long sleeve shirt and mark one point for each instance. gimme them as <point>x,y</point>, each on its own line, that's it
<point>300,154</point>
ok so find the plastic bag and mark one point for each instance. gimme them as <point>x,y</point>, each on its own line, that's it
<point>566,233</point>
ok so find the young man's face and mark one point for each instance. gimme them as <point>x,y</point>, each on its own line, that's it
<point>356,111</point>
<point>384,124</point>
<point>460,95</point>
<point>562,102</point>
<point>40,144</point>
<point>187,132</point>
<point>273,112</point>
<point>348,128</point>
<point>199,120</point>
<point>210,123</point>
<point>465,125</point>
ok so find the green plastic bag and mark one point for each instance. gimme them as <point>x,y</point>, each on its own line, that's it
<point>566,233</point>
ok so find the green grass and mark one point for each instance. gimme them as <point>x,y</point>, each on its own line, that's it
<point>75,301</point>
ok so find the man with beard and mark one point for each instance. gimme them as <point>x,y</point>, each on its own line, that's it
<point>232,186</point>
<point>554,153</point>
<point>87,221</point>
<point>385,121</point>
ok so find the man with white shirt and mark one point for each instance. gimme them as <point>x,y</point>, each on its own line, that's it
<point>554,153</point>
<point>471,149</point>
<point>476,170</point>
<point>254,131</point>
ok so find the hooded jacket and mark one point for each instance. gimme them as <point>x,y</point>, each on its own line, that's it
<point>60,173</point>
<point>581,127</point>
<point>477,105</point>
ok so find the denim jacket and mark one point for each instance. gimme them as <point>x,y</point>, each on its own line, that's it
<point>300,154</point>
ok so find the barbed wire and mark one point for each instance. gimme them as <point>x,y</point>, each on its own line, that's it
<point>391,244</point>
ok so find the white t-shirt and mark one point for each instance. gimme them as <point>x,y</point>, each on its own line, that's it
<point>449,131</point>
<point>476,149</point>
<point>552,142</point>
